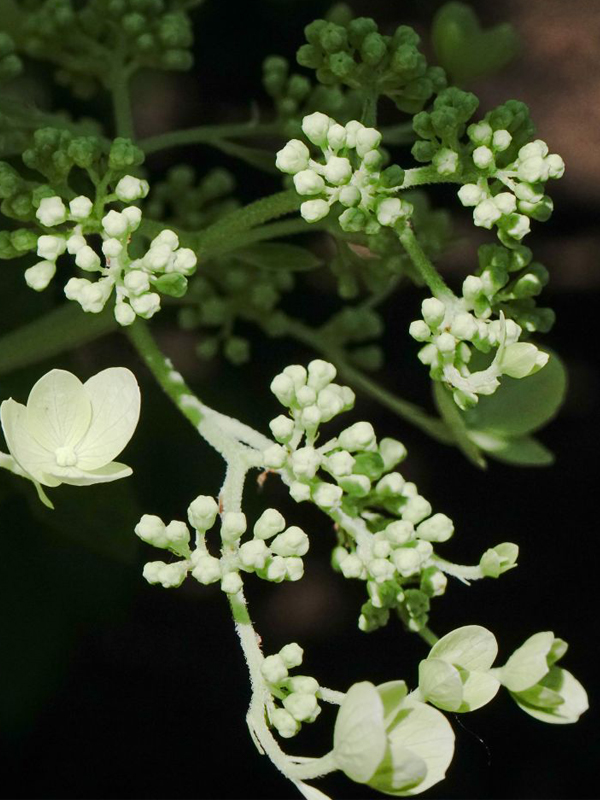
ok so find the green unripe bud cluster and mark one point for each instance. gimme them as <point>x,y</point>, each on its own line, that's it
<point>10,64</point>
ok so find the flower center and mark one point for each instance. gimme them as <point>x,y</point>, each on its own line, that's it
<point>65,456</point>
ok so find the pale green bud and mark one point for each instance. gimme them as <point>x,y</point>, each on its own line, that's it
<point>87,259</point>
<point>501,140</point>
<point>336,136</point>
<point>274,457</point>
<point>305,462</point>
<point>486,213</point>
<point>130,188</point>
<point>169,576</point>
<point>505,202</point>
<point>80,208</point>
<point>286,725</point>
<point>274,669</point>
<point>434,582</point>
<point>152,529</point>
<point>136,282</point>
<point>305,684</point>
<point>438,528</point>
<point>316,126</point>
<point>480,132</point>
<point>483,157</point>
<point>202,512</point>
<point>51,211</point>
<point>555,166</point>
<point>320,374</point>
<point>446,162</point>
<point>340,463</point>
<point>124,314</point>
<point>39,276</point>
<point>314,210</point>
<point>399,532</point>
<point>293,542</point>
<point>520,226</point>
<point>292,655</point>
<point>254,554</point>
<point>283,388</point>
<point>282,428</point>
<point>349,196</point>
<point>268,524</point>
<point>419,330</point>
<point>299,491</point>
<point>146,305</point>
<point>392,452</point>
<point>407,561</point>
<point>337,170</point>
<point>233,525</point>
<point>381,569</point>
<point>115,224</point>
<point>360,436</point>
<point>416,509</point>
<point>472,287</point>
<point>276,570</point>
<point>51,247</point>
<point>207,569</point>
<point>308,182</point>
<point>112,248</point>
<point>471,195</point>
<point>390,485</point>
<point>303,707</point>
<point>381,548</point>
<point>352,566</point>
<point>433,311</point>
<point>293,157</point>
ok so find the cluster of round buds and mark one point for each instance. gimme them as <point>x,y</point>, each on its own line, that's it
<point>351,174</point>
<point>279,560</point>
<point>509,196</point>
<point>449,329</point>
<point>136,281</point>
<point>298,693</point>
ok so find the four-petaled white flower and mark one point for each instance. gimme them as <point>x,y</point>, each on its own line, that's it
<point>70,432</point>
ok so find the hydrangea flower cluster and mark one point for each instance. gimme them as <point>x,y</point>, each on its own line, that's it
<point>298,693</point>
<point>386,529</point>
<point>351,174</point>
<point>279,560</point>
<point>163,267</point>
<point>451,326</point>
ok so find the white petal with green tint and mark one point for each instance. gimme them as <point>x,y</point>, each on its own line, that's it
<point>31,456</point>
<point>359,738</point>
<point>400,772</point>
<point>471,647</point>
<point>440,683</point>
<point>78,477</point>
<point>392,696</point>
<point>574,701</point>
<point>58,410</point>
<point>478,689</point>
<point>115,398</point>
<point>528,664</point>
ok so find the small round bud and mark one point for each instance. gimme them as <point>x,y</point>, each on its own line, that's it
<point>80,208</point>
<point>438,528</point>
<point>389,211</point>
<point>360,436</point>
<point>416,509</point>
<point>433,311</point>
<point>349,196</point>
<point>299,491</point>
<point>274,457</point>
<point>293,542</point>
<point>170,576</point>
<point>133,215</point>
<point>381,569</point>
<point>316,127</point>
<point>207,569</point>
<point>399,532</point>
<point>254,554</point>
<point>231,583</point>
<point>501,140</point>
<point>505,202</point>
<point>327,496</point>
<point>351,566</point>
<point>305,462</point>
<point>282,428</point>
<point>293,157</point>
<point>314,210</point>
<point>136,282</point>
<point>303,707</point>
<point>51,211</point>
<point>87,259</point>
<point>419,330</point>
<point>367,139</point>
<point>147,305</point>
<point>233,525</point>
<point>130,188</point>
<point>124,314</point>
<point>39,276</point>
<point>274,669</point>
<point>486,213</point>
<point>470,194</point>
<point>284,390</point>
<point>390,485</point>
<point>320,374</point>
<point>392,452</point>
<point>51,247</point>
<point>268,524</point>
<point>177,535</point>
<point>433,582</point>
<point>336,136</point>
<point>480,133</point>
<point>292,655</point>
<point>483,157</point>
<point>75,243</point>
<point>284,722</point>
<point>294,568</point>
<point>202,512</point>
<point>337,171</point>
<point>340,464</point>
<point>407,561</point>
<point>152,529</point>
<point>446,161</point>
<point>308,182</point>
<point>112,248</point>
<point>445,343</point>
<point>115,224</point>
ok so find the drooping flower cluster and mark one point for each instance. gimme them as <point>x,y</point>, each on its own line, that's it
<point>352,174</point>
<point>136,281</point>
<point>386,529</point>
<point>277,561</point>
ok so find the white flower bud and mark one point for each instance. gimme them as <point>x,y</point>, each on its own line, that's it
<point>310,417</point>
<point>178,534</point>
<point>51,247</point>
<point>445,343</point>
<point>367,139</point>
<point>446,161</point>
<point>294,568</point>
<point>555,166</point>
<point>407,561</point>
<point>152,529</point>
<point>282,428</point>
<point>273,669</point>
<point>480,132</point>
<point>305,462</point>
<point>284,723</point>
<point>297,373</point>
<point>284,390</point>
<point>146,305</point>
<point>520,227</point>
<point>424,549</point>
<point>505,202</point>
<point>305,396</point>
<point>292,655</point>
<point>130,188</point>
<point>276,570</point>
<point>392,452</point>
<point>316,126</point>
<point>170,576</point>
<point>112,248</point>
<point>472,287</point>
<point>352,566</point>
<point>74,287</point>
<point>93,296</point>
<point>254,554</point>
<point>302,707</point>
<point>75,243</point>
<point>338,170</point>
<point>438,528</point>
<point>202,512</point>
<point>158,258</point>
<point>115,224</point>
<point>470,194</point>
<point>389,211</point>
<point>185,261</point>
<point>537,148</point>
<point>390,485</point>
<point>330,404</point>
<point>340,463</point>
<point>433,311</point>
<point>233,525</point>
<point>136,282</point>
<point>299,491</point>
<point>124,314</point>
<point>360,436</point>
<point>353,128</point>
<point>166,238</point>
<point>336,136</point>
<point>501,140</point>
<point>308,182</point>
<point>381,548</point>
<point>87,259</point>
<point>231,583</point>
<point>314,210</point>
<point>483,157</point>
<point>399,532</point>
<point>464,327</point>
<point>485,214</point>
<point>327,496</point>
<point>293,542</point>
<point>320,374</point>
<point>268,524</point>
<point>381,569</point>
<point>80,208</point>
<point>274,457</point>
<point>133,215</point>
<point>419,330</point>
<point>416,509</point>
<point>293,157</point>
<point>207,569</point>
<point>51,211</point>
<point>349,196</point>
<point>39,276</point>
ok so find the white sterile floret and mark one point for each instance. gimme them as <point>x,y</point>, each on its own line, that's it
<point>51,211</point>
<point>87,259</point>
<point>293,157</point>
<point>39,276</point>
<point>233,525</point>
<point>136,282</point>
<point>316,127</point>
<point>169,576</point>
<point>146,305</point>
<point>282,428</point>
<point>305,462</point>
<point>70,432</point>
<point>202,512</point>
<point>483,157</point>
<point>360,436</point>
<point>231,583</point>
<point>115,223</point>
<point>274,457</point>
<point>470,194</point>
<point>207,569</point>
<point>268,524</point>
<point>327,496</point>
<point>293,542</point>
<point>254,554</point>
<point>152,529</point>
<point>112,248</point>
<point>130,188</point>
<point>51,247</point>
<point>273,669</point>
<point>407,561</point>
<point>80,208</point>
<point>292,655</point>
<point>314,210</point>
<point>308,182</point>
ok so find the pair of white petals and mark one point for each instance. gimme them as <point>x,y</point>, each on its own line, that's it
<point>69,431</point>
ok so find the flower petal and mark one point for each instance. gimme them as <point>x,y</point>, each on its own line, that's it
<point>79,477</point>
<point>58,410</point>
<point>115,398</point>
<point>29,454</point>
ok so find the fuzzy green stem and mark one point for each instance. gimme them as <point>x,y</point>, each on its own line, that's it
<point>121,99</point>
<point>425,268</point>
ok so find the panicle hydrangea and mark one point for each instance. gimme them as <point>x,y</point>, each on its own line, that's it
<point>351,173</point>
<point>136,281</point>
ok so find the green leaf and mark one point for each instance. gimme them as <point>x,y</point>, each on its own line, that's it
<point>174,284</point>
<point>521,407</point>
<point>574,697</point>
<point>58,331</point>
<point>467,51</point>
<point>359,740</point>
<point>276,256</point>
<point>523,451</point>
<point>440,684</point>
<point>471,647</point>
<point>454,420</point>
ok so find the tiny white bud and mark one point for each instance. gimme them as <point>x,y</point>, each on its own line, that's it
<point>336,136</point>
<point>202,512</point>
<point>282,428</point>
<point>316,126</point>
<point>416,509</point>
<point>80,207</point>
<point>39,276</point>
<point>136,282</point>
<point>233,525</point>
<point>124,314</point>
<point>399,532</point>
<point>305,462</point>
<point>274,457</point>
<point>352,566</point>
<point>274,669</point>
<point>338,170</point>
<point>51,211</point>
<point>231,583</point>
<point>433,311</point>
<point>283,388</point>
<point>87,259</point>
<point>314,210</point>
<point>360,436</point>
<point>470,194</point>
<point>327,496</point>
<point>152,529</point>
<point>407,561</point>
<point>308,182</point>
<point>51,247</point>
<point>389,211</point>
<point>254,554</point>
<point>170,576</point>
<point>292,655</point>
<point>146,305</point>
<point>268,524</point>
<point>133,215</point>
<point>130,188</point>
<point>293,157</point>
<point>505,202</point>
<point>112,248</point>
<point>303,707</point>
<point>185,261</point>
<point>390,485</point>
<point>367,139</point>
<point>293,542</point>
<point>438,528</point>
<point>114,223</point>
<point>207,569</point>
<point>299,491</point>
<point>392,452</point>
<point>340,463</point>
<point>75,243</point>
<point>294,568</point>
<point>485,214</point>
<point>483,157</point>
<point>320,374</point>
<point>501,140</point>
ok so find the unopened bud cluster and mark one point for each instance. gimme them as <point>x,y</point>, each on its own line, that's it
<point>351,173</point>
<point>506,282</point>
<point>298,693</point>
<point>274,553</point>
<point>136,282</point>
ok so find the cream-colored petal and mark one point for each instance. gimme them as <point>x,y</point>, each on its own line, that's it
<point>105,474</point>
<point>58,410</point>
<point>115,398</point>
<point>29,454</point>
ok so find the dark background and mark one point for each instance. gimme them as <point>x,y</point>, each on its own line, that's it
<point>113,688</point>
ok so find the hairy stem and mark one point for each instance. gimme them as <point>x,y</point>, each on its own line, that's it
<point>207,134</point>
<point>425,268</point>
